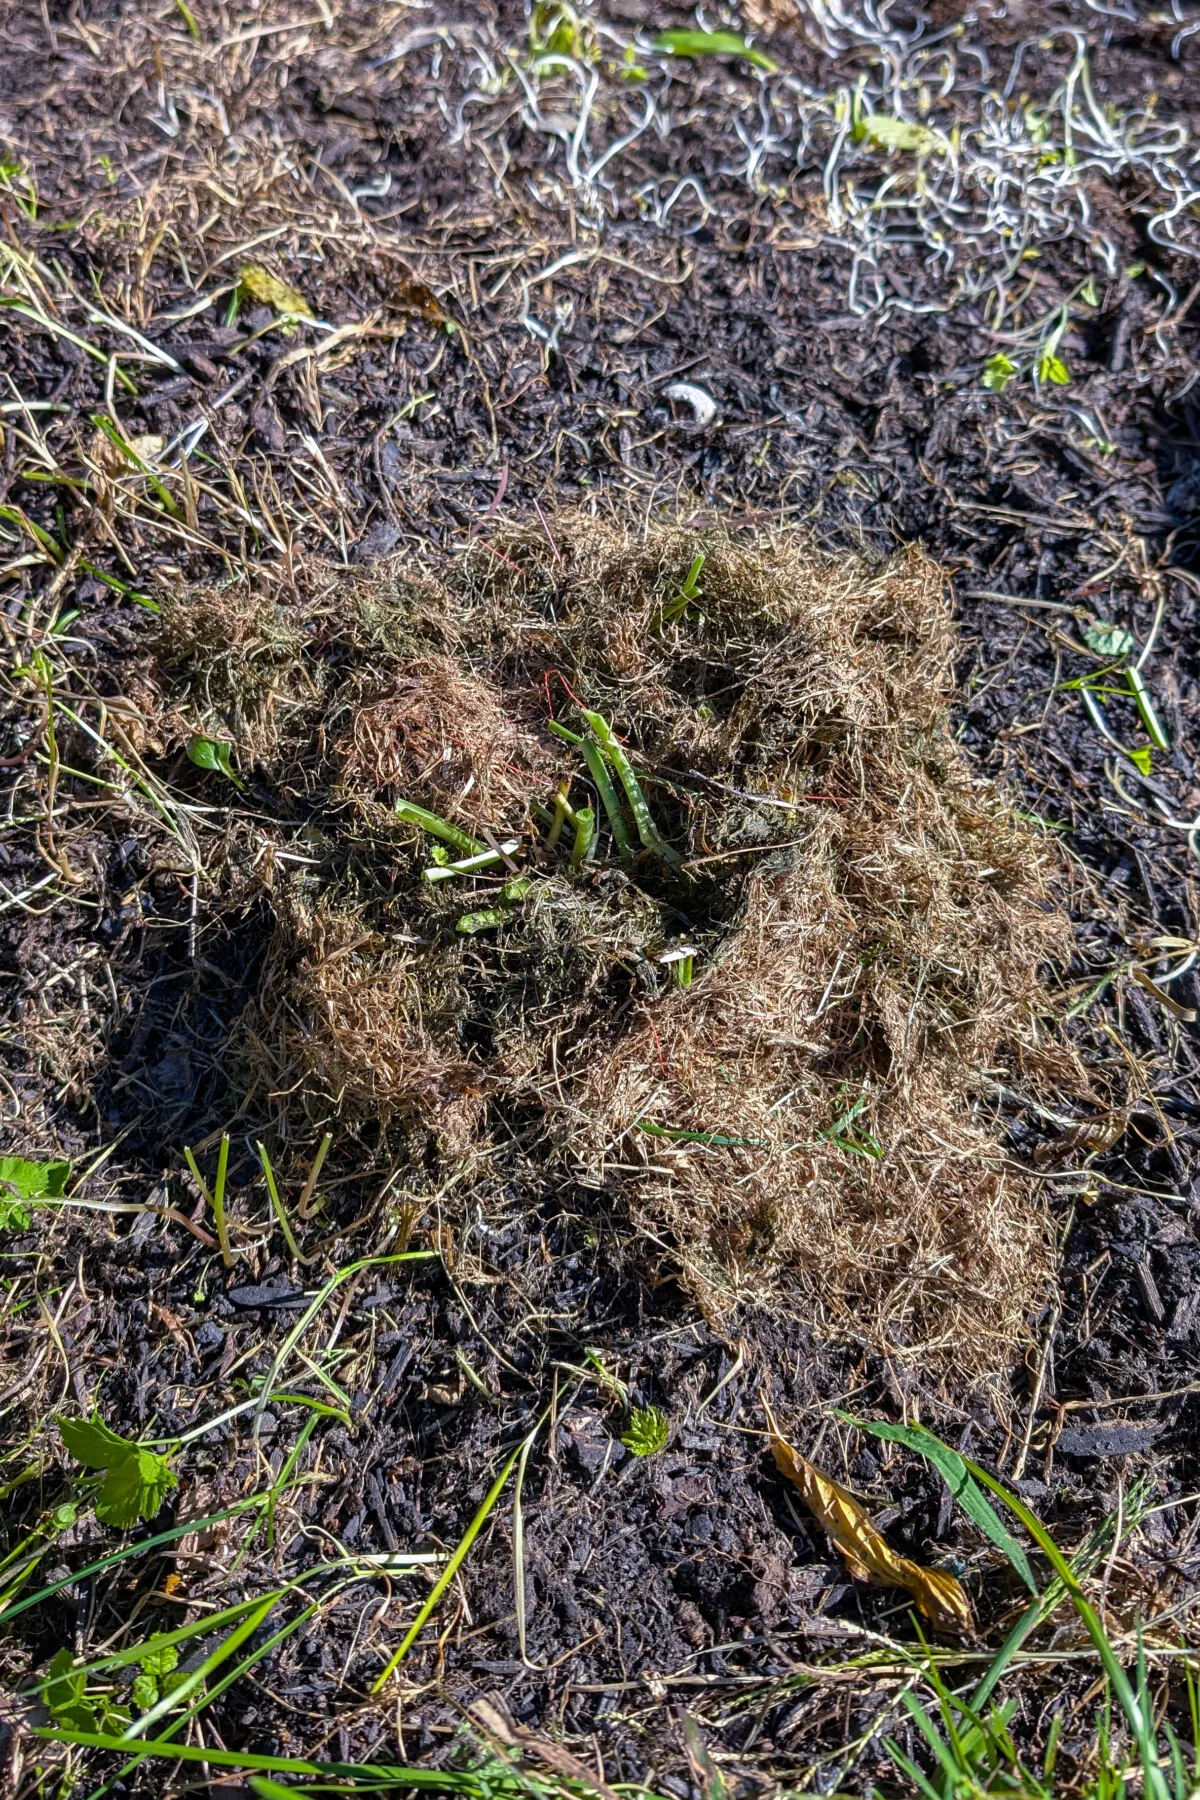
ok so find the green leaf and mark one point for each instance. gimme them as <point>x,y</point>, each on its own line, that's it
<point>24,1183</point>
<point>136,1481</point>
<point>207,753</point>
<point>159,1659</point>
<point>13,1215</point>
<point>1142,758</point>
<point>144,1692</point>
<point>647,1431</point>
<point>958,1478</point>
<point>62,1694</point>
<point>712,43</point>
<point>92,1443</point>
<point>1108,640</point>
<point>135,1489</point>
<point>1053,369</point>
<point>900,134</point>
<point>998,371</point>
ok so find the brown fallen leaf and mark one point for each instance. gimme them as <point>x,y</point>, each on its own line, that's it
<point>1100,1132</point>
<point>867,1553</point>
<point>269,290</point>
<point>413,296</point>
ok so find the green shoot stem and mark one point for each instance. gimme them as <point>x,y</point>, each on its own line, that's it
<point>277,1203</point>
<point>439,828</point>
<point>215,1199</point>
<point>608,796</point>
<point>642,817</point>
<point>585,838</point>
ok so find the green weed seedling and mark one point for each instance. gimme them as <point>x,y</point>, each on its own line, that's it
<point>24,1184</point>
<point>688,594</point>
<point>210,753</point>
<point>646,1432</point>
<point>845,1135</point>
<point>65,1696</point>
<point>132,1482</point>
<point>21,1561</point>
<point>682,42</point>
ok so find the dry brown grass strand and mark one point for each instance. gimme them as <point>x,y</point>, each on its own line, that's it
<point>809,1123</point>
<point>439,734</point>
<point>349,1024</point>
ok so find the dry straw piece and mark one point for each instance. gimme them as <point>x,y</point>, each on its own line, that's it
<point>762,1007</point>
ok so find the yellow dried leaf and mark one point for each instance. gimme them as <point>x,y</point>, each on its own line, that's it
<point>269,290</point>
<point>868,1555</point>
<point>110,457</point>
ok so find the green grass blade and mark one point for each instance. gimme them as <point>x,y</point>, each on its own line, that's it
<point>907,1767</point>
<point>309,1314</point>
<point>362,1775</point>
<point>1146,708</point>
<point>123,1659</point>
<point>206,1699</point>
<point>953,1470</point>
<point>225,1648</point>
<point>450,1571</point>
<point>952,1764</point>
<point>119,1556</point>
<point>1140,1721</point>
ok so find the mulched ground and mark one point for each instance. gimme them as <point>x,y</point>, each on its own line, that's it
<point>339,147</point>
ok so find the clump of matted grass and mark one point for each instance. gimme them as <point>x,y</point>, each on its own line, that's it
<point>651,860</point>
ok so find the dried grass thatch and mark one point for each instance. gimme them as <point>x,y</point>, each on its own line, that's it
<point>865,919</point>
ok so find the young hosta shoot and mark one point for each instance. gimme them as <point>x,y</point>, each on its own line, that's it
<point>647,1431</point>
<point>559,819</point>
<point>511,894</point>
<point>585,838</point>
<point>646,829</point>
<point>608,795</point>
<point>438,827</point>
<point>135,1481</point>
<point>689,592</point>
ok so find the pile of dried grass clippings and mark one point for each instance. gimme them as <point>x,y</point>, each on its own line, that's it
<point>742,941</point>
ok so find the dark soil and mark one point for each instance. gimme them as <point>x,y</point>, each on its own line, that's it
<point>685,1583</point>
